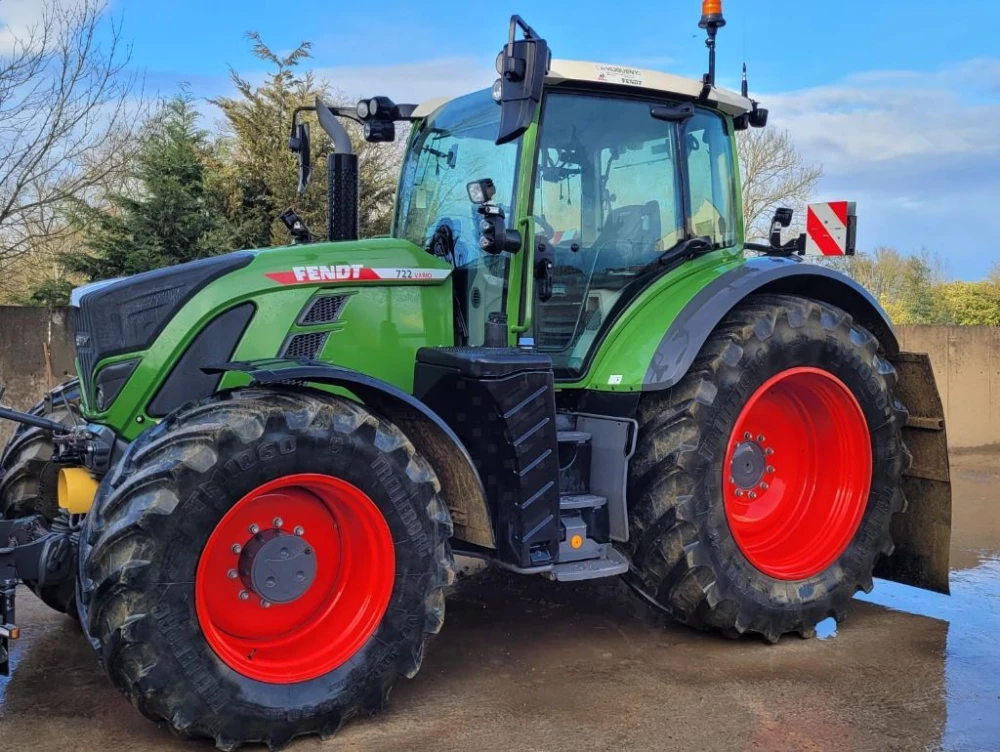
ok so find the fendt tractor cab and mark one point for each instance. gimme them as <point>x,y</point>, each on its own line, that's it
<point>562,360</point>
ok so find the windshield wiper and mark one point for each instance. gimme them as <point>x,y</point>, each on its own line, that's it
<point>681,251</point>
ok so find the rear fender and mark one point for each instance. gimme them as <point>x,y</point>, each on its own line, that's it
<point>461,487</point>
<point>923,534</point>
<point>687,333</point>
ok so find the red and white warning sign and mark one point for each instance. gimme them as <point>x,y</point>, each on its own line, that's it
<point>830,228</point>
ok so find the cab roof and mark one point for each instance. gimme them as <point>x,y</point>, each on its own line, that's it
<point>579,71</point>
<point>569,71</point>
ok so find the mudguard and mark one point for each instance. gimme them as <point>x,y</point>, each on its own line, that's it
<point>923,534</point>
<point>461,487</point>
<point>770,274</point>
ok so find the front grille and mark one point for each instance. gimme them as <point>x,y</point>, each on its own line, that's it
<point>127,315</point>
<point>324,309</point>
<point>304,346</point>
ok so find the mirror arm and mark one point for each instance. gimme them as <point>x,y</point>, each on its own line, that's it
<point>516,21</point>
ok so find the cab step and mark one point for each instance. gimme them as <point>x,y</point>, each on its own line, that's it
<point>611,565</point>
<point>571,501</point>
<point>573,437</point>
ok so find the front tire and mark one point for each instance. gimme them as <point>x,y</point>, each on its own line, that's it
<point>763,484</point>
<point>186,589</point>
<point>30,476</point>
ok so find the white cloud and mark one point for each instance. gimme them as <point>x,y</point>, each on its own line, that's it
<point>919,151</point>
<point>18,18</point>
<point>893,115</point>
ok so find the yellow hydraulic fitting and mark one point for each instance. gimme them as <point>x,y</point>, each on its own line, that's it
<point>77,489</point>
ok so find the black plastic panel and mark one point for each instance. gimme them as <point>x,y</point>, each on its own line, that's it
<point>110,381</point>
<point>501,404</point>
<point>186,380</point>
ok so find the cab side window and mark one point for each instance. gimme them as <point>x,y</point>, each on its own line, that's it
<point>710,170</point>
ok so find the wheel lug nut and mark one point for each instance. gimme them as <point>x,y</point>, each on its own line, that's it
<point>278,522</point>
<point>236,548</point>
<point>747,435</point>
<point>254,529</point>
<point>760,438</point>
<point>752,494</point>
<point>299,530</point>
<point>244,595</point>
<point>232,574</point>
<point>769,451</point>
<point>764,486</point>
<point>739,491</point>
<point>265,604</point>
<point>770,468</point>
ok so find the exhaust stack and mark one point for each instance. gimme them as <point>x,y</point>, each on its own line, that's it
<point>343,199</point>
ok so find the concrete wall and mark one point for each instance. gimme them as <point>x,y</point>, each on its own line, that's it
<point>25,370</point>
<point>966,361</point>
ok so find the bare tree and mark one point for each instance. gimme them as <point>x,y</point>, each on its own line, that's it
<point>774,175</point>
<point>68,107</point>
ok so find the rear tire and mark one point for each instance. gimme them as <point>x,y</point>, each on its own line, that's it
<point>29,479</point>
<point>155,609</point>
<point>704,563</point>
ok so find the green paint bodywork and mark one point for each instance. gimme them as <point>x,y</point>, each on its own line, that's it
<point>378,333</point>
<point>386,322</point>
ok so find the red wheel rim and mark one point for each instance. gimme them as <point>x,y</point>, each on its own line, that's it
<point>797,473</point>
<point>344,567</point>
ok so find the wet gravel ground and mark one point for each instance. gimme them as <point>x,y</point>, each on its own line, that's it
<point>527,664</point>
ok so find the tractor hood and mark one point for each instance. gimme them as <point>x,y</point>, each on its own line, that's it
<point>252,304</point>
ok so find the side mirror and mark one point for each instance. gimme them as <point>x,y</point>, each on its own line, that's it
<point>494,236</point>
<point>782,218</point>
<point>300,143</point>
<point>522,66</point>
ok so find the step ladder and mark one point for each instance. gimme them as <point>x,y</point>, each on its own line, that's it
<point>582,515</point>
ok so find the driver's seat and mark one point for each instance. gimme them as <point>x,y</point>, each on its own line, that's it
<point>636,225</point>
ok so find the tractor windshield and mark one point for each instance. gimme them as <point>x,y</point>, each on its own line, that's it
<point>453,147</point>
<point>615,188</point>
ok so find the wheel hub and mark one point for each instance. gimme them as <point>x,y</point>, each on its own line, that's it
<point>279,567</point>
<point>748,465</point>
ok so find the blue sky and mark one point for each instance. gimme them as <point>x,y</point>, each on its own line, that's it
<point>898,99</point>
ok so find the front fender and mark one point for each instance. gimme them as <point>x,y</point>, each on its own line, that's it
<point>461,487</point>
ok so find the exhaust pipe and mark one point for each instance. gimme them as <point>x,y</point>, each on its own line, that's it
<point>343,199</point>
<point>342,206</point>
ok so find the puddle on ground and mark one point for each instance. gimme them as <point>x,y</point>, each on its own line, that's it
<point>971,658</point>
<point>826,629</point>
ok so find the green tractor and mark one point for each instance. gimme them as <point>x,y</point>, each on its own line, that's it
<point>562,361</point>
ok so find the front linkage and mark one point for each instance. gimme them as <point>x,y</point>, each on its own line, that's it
<point>32,550</point>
